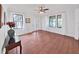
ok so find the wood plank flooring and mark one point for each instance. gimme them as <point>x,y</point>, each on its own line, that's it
<point>43,42</point>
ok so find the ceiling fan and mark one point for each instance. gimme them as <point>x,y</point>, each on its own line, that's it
<point>42,9</point>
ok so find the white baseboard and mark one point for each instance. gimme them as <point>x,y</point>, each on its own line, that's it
<point>76,38</point>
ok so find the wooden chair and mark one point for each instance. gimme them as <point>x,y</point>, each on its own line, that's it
<point>14,45</point>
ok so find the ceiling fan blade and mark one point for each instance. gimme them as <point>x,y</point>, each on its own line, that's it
<point>46,9</point>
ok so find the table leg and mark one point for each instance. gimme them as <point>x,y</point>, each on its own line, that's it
<point>6,51</point>
<point>20,49</point>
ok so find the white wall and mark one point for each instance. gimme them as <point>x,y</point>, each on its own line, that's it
<point>77,24</point>
<point>70,23</point>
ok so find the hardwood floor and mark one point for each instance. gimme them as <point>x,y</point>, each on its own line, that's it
<point>43,42</point>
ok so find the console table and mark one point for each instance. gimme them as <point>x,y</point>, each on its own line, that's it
<point>14,45</point>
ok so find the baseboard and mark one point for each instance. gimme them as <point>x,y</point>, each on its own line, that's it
<point>76,38</point>
<point>30,32</point>
<point>60,34</point>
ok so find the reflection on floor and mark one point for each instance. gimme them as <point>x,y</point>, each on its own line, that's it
<point>43,42</point>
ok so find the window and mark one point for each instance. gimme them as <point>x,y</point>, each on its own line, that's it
<point>59,21</point>
<point>52,21</point>
<point>55,21</point>
<point>18,19</point>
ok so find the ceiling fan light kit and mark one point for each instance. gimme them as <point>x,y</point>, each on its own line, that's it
<point>41,12</point>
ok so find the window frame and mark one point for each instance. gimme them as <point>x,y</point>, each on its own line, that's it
<point>18,21</point>
<point>52,21</point>
<point>56,22</point>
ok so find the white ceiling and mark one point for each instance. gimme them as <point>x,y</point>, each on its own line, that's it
<point>32,7</point>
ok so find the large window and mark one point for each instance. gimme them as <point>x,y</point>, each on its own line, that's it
<point>55,21</point>
<point>18,19</point>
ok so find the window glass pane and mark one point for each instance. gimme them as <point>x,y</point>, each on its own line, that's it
<point>19,25</point>
<point>18,17</point>
<point>54,24</point>
<point>51,20</point>
<point>59,24</point>
<point>50,25</point>
<point>54,20</point>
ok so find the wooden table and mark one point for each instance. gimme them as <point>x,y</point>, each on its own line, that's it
<point>14,45</point>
